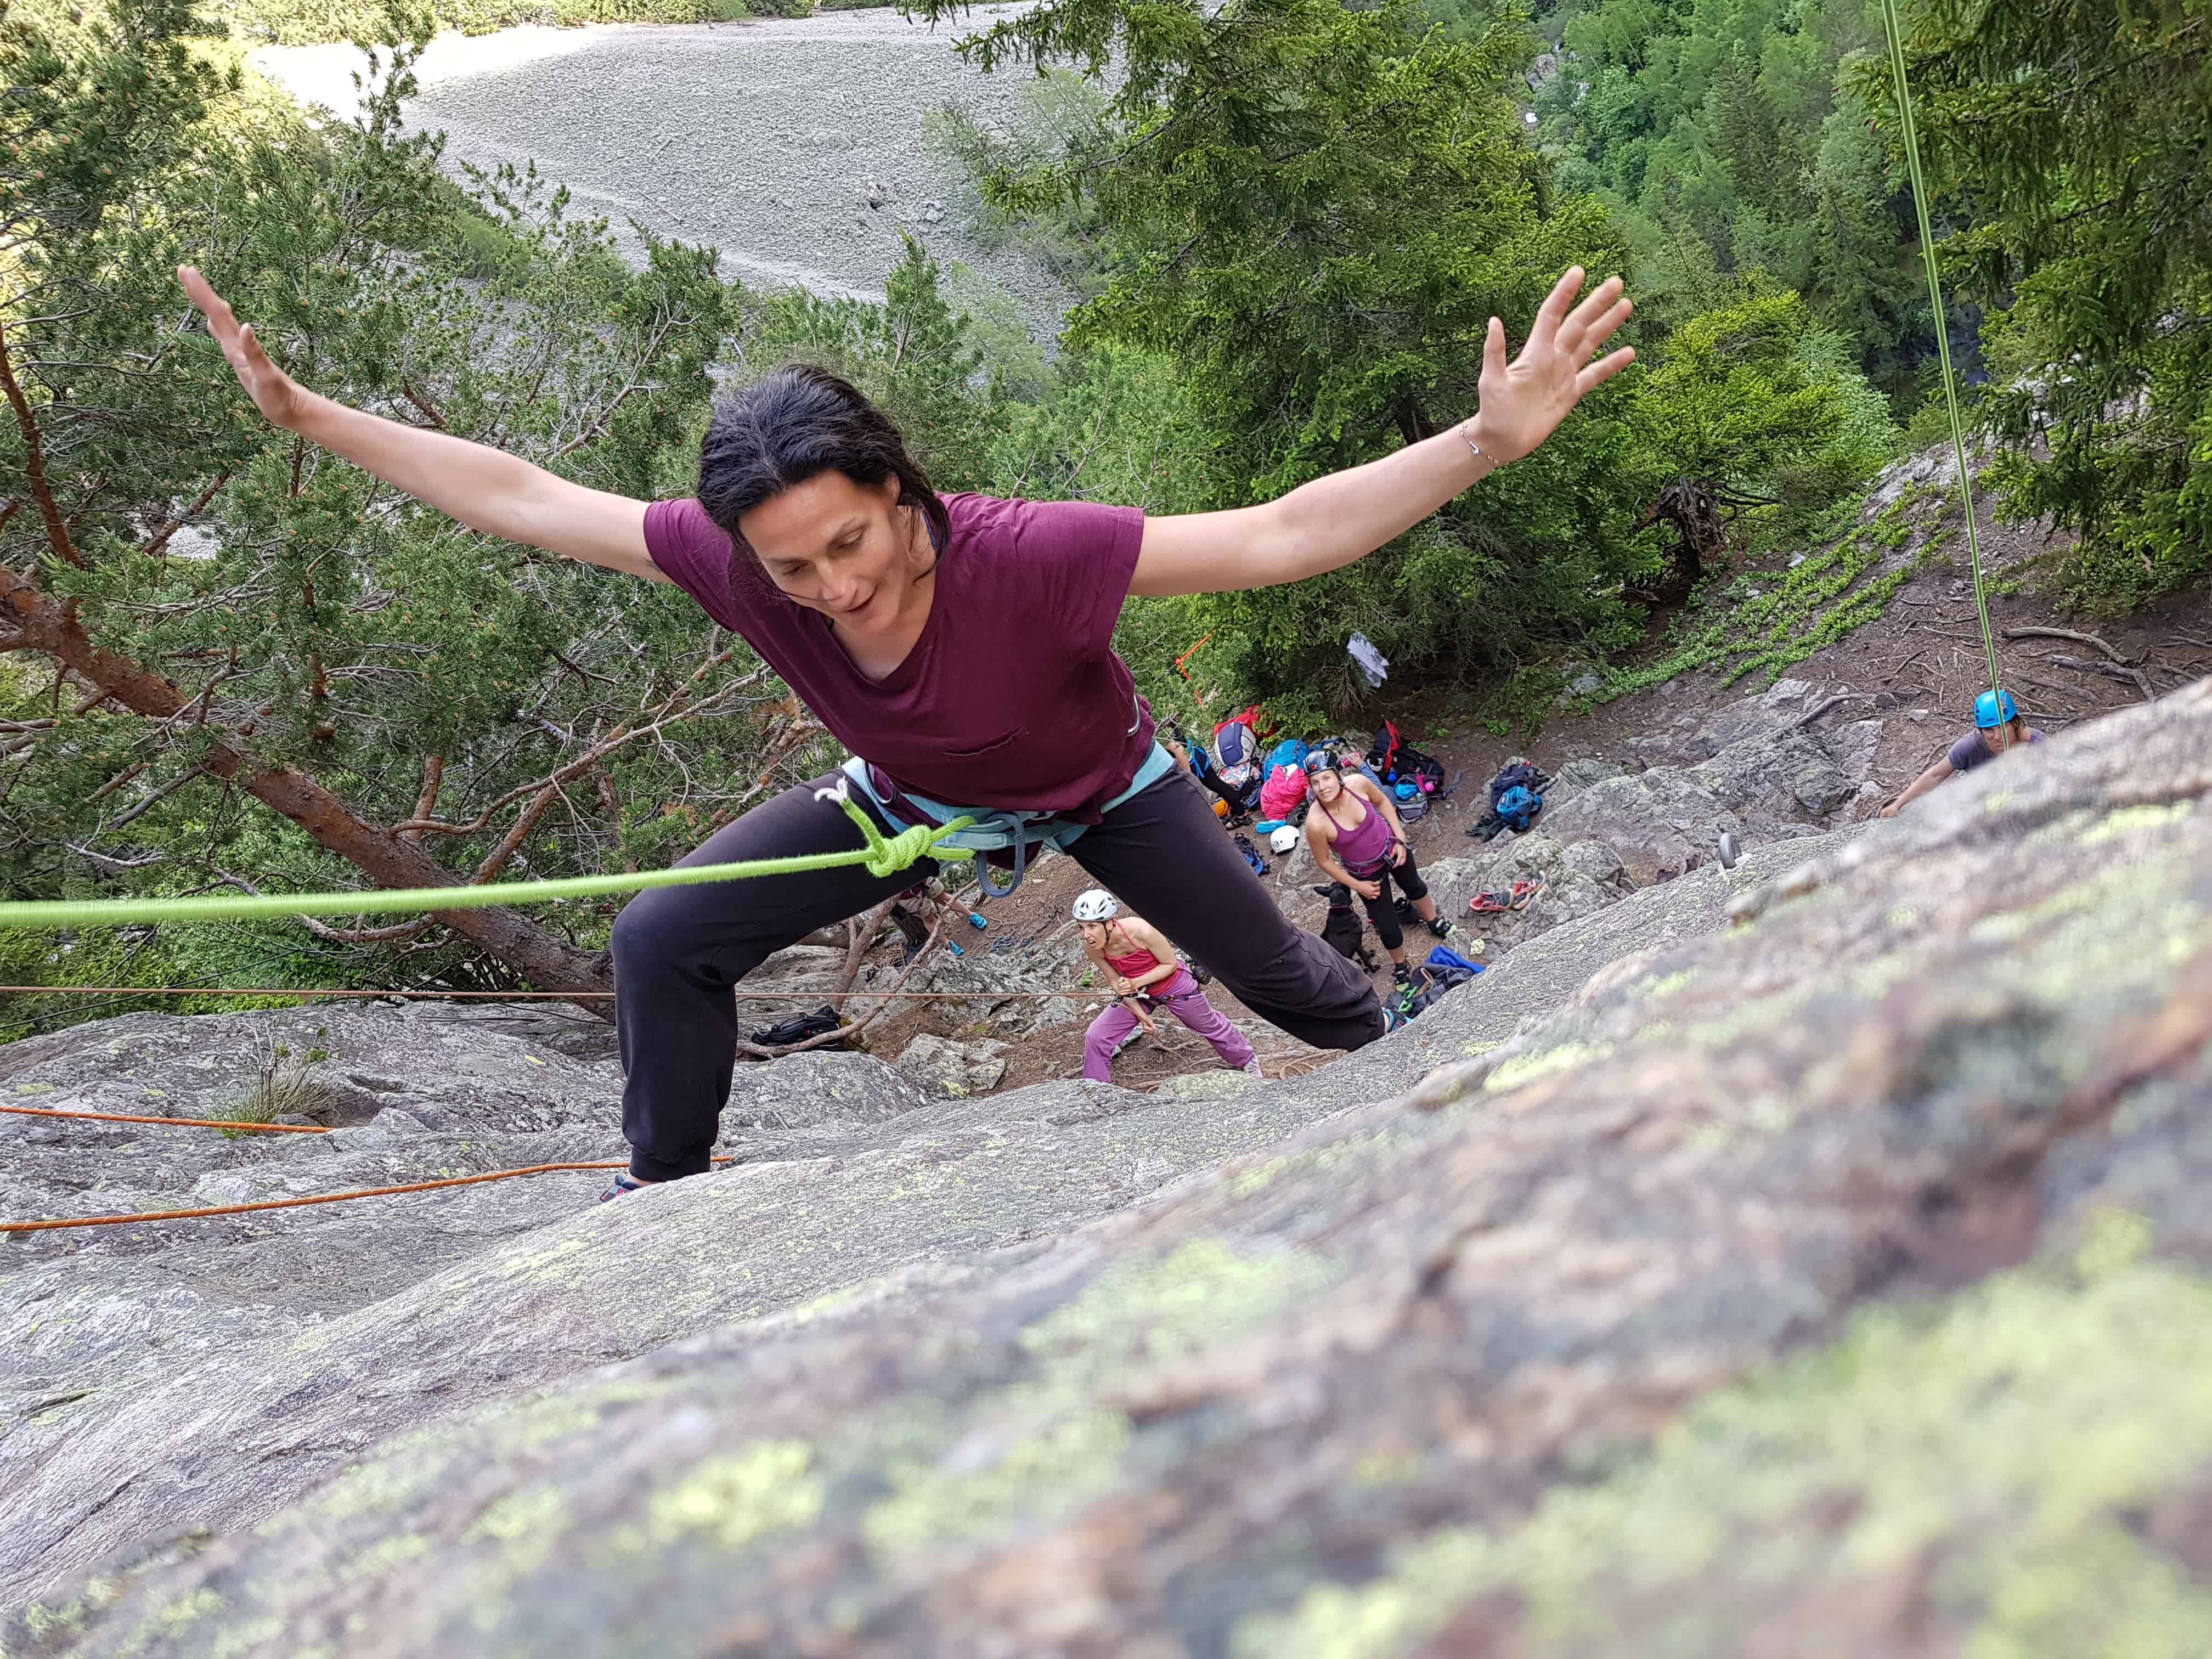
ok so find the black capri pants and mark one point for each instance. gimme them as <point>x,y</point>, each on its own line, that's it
<point>1381,910</point>
<point>680,951</point>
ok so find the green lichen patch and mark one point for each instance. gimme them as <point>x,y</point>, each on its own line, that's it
<point>1044,1446</point>
<point>1527,1068</point>
<point>2006,1438</point>
<point>732,1501</point>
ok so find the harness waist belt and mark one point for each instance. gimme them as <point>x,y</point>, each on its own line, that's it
<point>999,829</point>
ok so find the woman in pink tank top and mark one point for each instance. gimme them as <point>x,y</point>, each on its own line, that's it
<point>960,648</point>
<point>1356,838</point>
<point>1143,971</point>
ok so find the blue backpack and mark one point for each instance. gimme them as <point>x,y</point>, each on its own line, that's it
<point>1291,752</point>
<point>1519,805</point>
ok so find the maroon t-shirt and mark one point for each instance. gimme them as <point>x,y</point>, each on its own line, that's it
<point>1011,697</point>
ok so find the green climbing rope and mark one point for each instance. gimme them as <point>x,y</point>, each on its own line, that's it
<point>1893,27</point>
<point>882,855</point>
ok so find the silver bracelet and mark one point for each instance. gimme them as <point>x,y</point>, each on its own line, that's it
<point>1473,448</point>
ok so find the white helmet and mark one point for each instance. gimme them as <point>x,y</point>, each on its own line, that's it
<point>1097,905</point>
<point>1284,839</point>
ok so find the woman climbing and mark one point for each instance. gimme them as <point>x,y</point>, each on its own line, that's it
<point>1145,973</point>
<point>961,648</point>
<point>1356,839</point>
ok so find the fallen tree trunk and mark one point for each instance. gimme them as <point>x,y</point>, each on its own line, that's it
<point>44,623</point>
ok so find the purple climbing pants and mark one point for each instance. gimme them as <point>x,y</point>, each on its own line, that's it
<point>1179,996</point>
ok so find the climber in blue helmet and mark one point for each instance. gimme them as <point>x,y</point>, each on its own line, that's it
<point>1997,727</point>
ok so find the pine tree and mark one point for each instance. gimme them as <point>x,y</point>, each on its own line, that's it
<point>2080,130</point>
<point>212,613</point>
<point>1312,211</point>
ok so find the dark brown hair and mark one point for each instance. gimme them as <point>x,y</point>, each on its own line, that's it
<point>797,423</point>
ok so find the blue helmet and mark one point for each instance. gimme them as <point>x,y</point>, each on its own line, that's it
<point>1995,708</point>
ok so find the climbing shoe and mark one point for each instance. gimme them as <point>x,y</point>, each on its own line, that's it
<point>1402,974</point>
<point>1392,1018</point>
<point>623,1183</point>
<point>1252,1065</point>
<point>1439,928</point>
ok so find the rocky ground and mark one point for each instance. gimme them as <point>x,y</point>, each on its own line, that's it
<point>1831,1281</point>
<point>794,145</point>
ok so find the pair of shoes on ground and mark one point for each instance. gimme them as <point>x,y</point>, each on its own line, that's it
<point>1522,893</point>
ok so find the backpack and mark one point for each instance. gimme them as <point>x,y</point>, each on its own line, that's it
<point>1514,773</point>
<point>1394,761</point>
<point>799,1027</point>
<point>1382,753</point>
<point>1253,719</point>
<point>1290,751</point>
<point>1519,805</point>
<point>1280,795</point>
<point>1234,746</point>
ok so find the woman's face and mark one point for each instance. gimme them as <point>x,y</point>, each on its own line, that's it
<point>1998,738</point>
<point>1327,786</point>
<point>847,549</point>
<point>1094,934</point>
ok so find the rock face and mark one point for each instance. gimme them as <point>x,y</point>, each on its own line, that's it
<point>1829,1282</point>
<point>957,1069</point>
<point>1790,762</point>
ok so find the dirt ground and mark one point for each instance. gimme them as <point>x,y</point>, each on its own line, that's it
<point>1925,650</point>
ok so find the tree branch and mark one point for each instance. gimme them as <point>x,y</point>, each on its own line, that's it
<point>157,545</point>
<point>396,931</point>
<point>34,462</point>
<point>43,623</point>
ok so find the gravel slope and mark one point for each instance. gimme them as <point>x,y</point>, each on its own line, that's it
<point>768,139</point>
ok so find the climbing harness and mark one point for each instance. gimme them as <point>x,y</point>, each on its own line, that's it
<point>1894,27</point>
<point>982,830</point>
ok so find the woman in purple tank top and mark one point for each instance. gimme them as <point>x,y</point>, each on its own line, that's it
<point>1356,838</point>
<point>961,648</point>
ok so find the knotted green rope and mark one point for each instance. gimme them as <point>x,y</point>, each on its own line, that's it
<point>882,855</point>
<point>1893,27</point>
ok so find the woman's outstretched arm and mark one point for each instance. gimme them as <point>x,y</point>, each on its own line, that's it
<point>1348,515</point>
<point>485,490</point>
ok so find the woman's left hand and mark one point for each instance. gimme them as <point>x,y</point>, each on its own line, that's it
<point>1124,986</point>
<point>1524,401</point>
<point>1397,854</point>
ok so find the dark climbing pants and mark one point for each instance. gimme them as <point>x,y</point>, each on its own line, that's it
<point>1382,910</point>
<point>680,951</point>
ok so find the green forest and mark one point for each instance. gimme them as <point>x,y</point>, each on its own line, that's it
<point>235,663</point>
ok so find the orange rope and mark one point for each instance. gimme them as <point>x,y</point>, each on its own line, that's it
<point>295,1203</point>
<point>182,1122</point>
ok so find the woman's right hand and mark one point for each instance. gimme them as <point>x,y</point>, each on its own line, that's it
<point>274,393</point>
<point>498,495</point>
<point>1366,890</point>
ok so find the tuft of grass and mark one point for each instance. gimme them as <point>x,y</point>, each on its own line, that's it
<point>285,1086</point>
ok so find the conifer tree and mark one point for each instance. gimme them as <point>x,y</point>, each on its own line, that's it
<point>2080,128</point>
<point>205,613</point>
